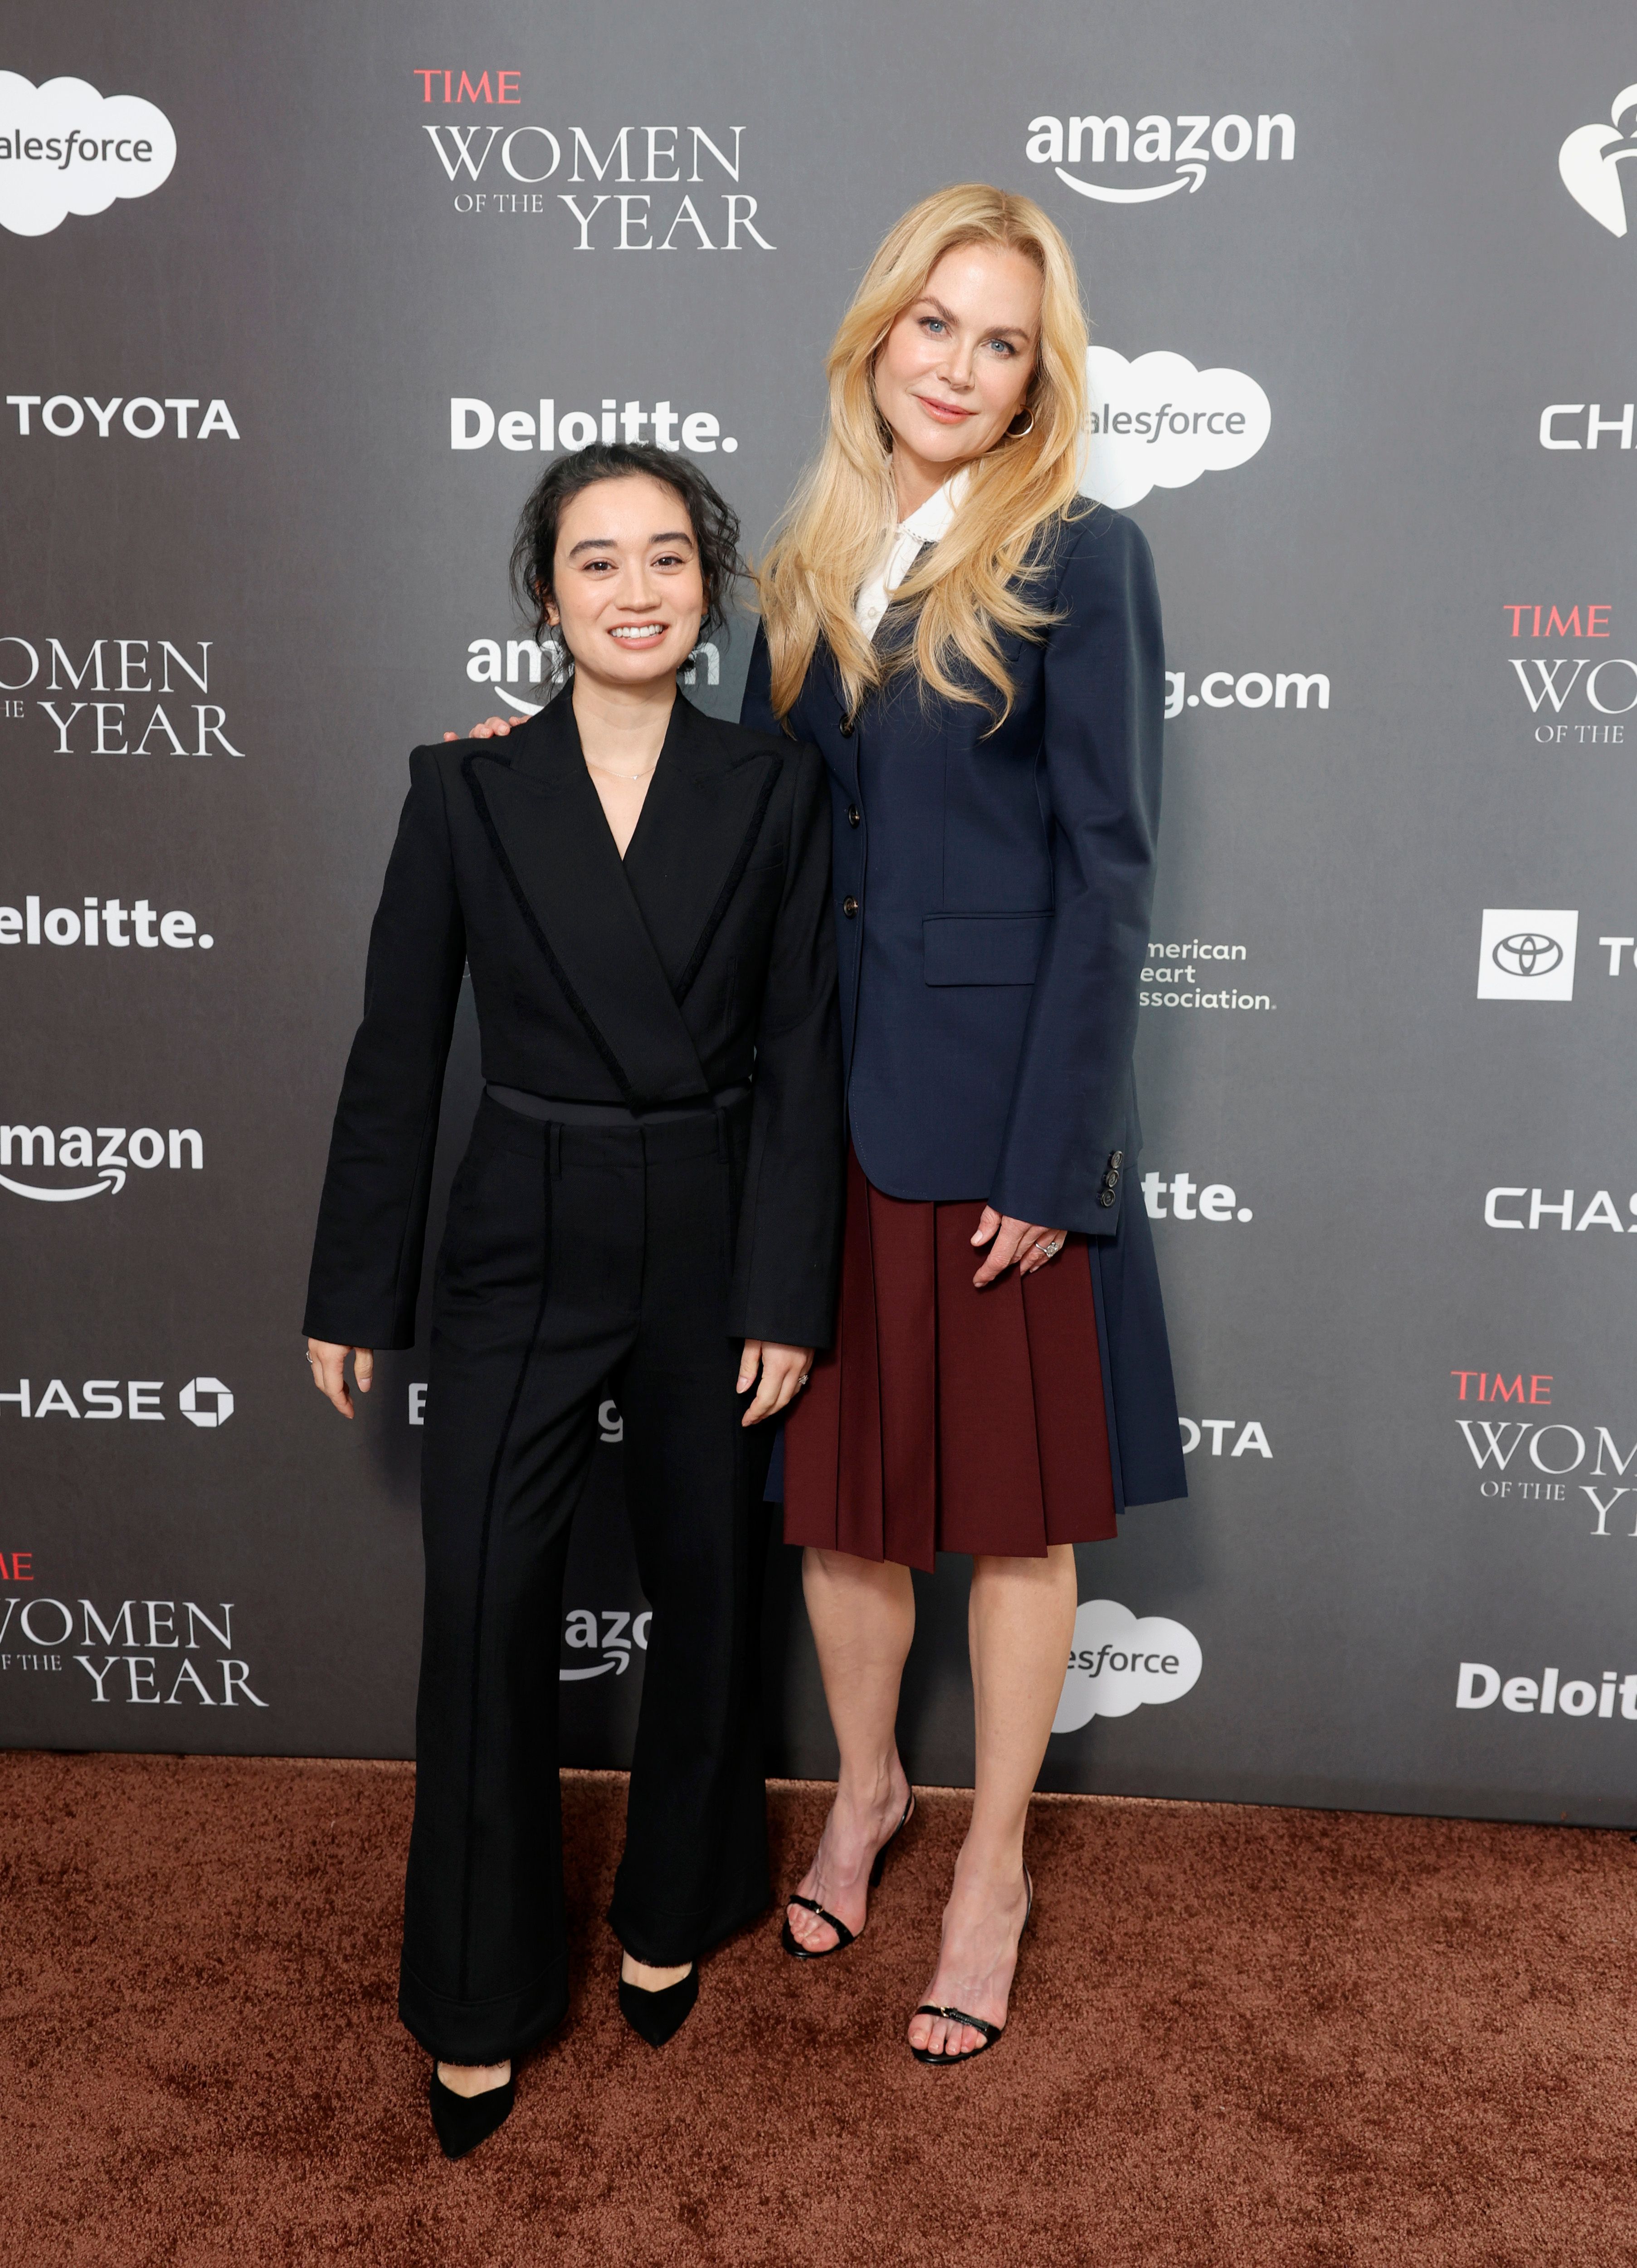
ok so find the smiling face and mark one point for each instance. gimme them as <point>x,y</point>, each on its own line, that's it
<point>627,589</point>
<point>951,373</point>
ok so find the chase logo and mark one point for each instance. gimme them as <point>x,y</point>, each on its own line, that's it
<point>206,1402</point>
<point>1118,1662</point>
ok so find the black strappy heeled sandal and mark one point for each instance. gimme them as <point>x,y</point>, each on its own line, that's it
<point>991,2032</point>
<point>844,1937</point>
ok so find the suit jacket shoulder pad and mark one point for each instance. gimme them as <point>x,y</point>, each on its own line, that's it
<point>1097,540</point>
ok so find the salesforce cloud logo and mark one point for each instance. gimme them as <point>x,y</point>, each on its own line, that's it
<point>1590,160</point>
<point>1157,423</point>
<point>1116,1663</point>
<point>66,148</point>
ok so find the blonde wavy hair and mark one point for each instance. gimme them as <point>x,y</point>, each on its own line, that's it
<point>967,590</point>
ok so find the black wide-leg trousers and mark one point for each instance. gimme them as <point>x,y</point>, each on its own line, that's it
<point>573,1255</point>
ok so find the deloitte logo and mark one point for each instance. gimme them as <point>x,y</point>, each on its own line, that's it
<point>1118,1662</point>
<point>473,424</point>
<point>1477,1685</point>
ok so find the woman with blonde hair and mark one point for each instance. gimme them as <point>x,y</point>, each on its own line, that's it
<point>976,651</point>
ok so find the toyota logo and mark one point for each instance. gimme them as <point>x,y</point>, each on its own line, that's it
<point>1528,953</point>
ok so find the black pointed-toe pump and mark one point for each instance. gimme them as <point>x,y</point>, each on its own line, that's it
<point>659,2016</point>
<point>463,2121</point>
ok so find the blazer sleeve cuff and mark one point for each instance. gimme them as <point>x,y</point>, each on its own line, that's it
<point>394,1337</point>
<point>783,1322</point>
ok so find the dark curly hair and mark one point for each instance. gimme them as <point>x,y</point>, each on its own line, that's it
<point>715,526</point>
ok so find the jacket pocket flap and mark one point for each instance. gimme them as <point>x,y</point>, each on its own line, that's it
<point>983,948</point>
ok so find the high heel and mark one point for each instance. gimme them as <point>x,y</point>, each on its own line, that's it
<point>659,2016</point>
<point>463,2121</point>
<point>991,2032</point>
<point>844,1937</point>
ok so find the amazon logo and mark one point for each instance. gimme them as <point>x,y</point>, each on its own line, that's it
<point>99,1160</point>
<point>1186,145</point>
<point>615,1639</point>
<point>527,673</point>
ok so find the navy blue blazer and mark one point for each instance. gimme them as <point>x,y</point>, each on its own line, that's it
<point>992,892</point>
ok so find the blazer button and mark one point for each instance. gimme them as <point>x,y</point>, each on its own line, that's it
<point>854,816</point>
<point>1105,1197</point>
<point>849,907</point>
<point>846,728</point>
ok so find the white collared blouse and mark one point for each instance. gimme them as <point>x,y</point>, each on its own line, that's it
<point>928,523</point>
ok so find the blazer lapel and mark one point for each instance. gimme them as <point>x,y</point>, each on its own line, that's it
<point>699,828</point>
<point>546,825</point>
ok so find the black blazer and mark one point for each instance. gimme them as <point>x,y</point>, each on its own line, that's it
<point>707,957</point>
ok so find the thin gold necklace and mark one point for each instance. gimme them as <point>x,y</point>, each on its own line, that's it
<point>609,768</point>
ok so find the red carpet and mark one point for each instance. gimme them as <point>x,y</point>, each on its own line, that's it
<point>1247,2036</point>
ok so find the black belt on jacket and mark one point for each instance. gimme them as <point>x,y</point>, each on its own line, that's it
<point>562,1112</point>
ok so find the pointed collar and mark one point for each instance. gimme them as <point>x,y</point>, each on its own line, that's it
<point>928,523</point>
<point>548,748</point>
<point>625,938</point>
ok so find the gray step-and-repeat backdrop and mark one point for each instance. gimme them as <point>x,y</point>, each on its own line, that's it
<point>299,301</point>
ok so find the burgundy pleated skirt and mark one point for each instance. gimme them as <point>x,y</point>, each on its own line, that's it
<point>945,1418</point>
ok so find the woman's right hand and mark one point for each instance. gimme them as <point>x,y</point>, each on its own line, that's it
<point>492,728</point>
<point>329,1369</point>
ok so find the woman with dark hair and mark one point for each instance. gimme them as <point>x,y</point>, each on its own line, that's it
<point>651,1197</point>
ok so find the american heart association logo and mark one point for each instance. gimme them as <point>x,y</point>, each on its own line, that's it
<point>1590,159</point>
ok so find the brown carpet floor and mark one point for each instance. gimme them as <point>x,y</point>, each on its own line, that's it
<point>1239,2036</point>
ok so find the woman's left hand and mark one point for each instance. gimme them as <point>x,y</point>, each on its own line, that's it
<point>784,1371</point>
<point>1022,1240</point>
